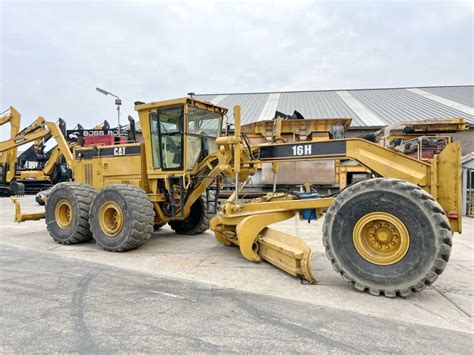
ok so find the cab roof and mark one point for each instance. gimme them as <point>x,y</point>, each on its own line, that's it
<point>140,106</point>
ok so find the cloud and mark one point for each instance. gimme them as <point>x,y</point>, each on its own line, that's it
<point>54,54</point>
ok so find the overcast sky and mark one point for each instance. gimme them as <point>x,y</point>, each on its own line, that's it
<point>54,54</point>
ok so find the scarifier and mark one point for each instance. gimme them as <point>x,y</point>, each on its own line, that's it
<point>390,234</point>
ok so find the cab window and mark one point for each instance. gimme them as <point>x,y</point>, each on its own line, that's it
<point>203,129</point>
<point>155,145</point>
<point>171,136</point>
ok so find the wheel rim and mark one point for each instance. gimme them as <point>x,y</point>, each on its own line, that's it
<point>63,214</point>
<point>381,238</point>
<point>111,219</point>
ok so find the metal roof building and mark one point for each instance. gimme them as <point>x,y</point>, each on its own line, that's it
<point>368,108</point>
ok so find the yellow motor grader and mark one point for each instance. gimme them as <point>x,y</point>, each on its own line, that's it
<point>389,235</point>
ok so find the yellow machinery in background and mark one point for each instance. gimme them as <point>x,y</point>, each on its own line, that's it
<point>389,235</point>
<point>12,178</point>
<point>408,130</point>
<point>8,157</point>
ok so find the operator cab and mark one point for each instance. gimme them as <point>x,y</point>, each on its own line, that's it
<point>182,132</point>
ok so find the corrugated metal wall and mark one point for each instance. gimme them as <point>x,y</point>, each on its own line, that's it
<point>384,106</point>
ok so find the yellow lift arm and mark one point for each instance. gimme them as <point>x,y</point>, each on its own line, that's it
<point>13,117</point>
<point>38,130</point>
<point>29,134</point>
<point>9,157</point>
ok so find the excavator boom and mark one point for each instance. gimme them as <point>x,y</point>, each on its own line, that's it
<point>31,133</point>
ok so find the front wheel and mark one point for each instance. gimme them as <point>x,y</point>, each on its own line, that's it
<point>387,236</point>
<point>198,219</point>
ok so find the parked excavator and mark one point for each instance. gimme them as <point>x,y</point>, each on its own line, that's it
<point>14,178</point>
<point>389,235</point>
<point>38,169</point>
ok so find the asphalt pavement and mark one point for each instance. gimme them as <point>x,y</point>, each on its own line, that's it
<point>189,293</point>
<point>54,304</point>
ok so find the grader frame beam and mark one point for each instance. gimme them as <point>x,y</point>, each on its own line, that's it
<point>387,163</point>
<point>380,160</point>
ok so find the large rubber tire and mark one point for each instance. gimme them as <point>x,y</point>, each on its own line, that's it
<point>79,197</point>
<point>198,220</point>
<point>424,219</point>
<point>137,213</point>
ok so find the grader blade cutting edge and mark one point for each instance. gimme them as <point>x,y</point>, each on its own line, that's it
<point>257,242</point>
<point>287,252</point>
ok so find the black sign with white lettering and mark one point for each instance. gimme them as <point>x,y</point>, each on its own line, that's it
<point>303,150</point>
<point>116,151</point>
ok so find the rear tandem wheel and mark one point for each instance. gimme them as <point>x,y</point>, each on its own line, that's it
<point>387,236</point>
<point>67,212</point>
<point>121,218</point>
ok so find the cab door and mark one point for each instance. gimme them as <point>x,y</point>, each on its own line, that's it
<point>170,137</point>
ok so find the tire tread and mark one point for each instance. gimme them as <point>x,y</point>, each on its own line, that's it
<point>143,217</point>
<point>201,227</point>
<point>85,195</point>
<point>437,216</point>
